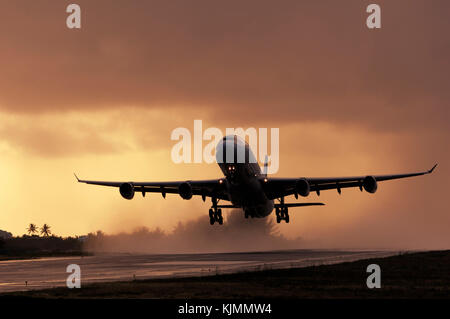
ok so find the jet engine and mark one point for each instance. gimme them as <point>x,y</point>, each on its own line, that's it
<point>127,190</point>
<point>370,184</point>
<point>185,190</point>
<point>302,187</point>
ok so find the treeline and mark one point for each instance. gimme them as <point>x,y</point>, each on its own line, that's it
<point>32,245</point>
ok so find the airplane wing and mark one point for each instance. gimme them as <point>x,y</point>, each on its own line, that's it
<point>205,188</point>
<point>279,187</point>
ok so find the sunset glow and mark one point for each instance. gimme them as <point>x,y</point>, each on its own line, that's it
<point>102,102</point>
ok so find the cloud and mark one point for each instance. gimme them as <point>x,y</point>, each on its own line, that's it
<point>55,136</point>
<point>293,61</point>
<point>81,133</point>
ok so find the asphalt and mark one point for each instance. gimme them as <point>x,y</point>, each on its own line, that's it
<point>20,275</point>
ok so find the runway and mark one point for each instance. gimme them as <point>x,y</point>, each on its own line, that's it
<point>18,275</point>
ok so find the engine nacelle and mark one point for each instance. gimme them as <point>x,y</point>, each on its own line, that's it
<point>302,187</point>
<point>370,184</point>
<point>127,190</point>
<point>185,190</point>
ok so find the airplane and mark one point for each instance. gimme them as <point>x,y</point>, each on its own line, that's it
<point>246,186</point>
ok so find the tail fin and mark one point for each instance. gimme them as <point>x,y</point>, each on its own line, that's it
<point>266,163</point>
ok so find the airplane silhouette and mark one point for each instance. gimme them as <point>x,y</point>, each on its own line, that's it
<point>249,188</point>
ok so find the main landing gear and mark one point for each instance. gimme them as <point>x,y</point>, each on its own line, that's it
<point>282,214</point>
<point>281,211</point>
<point>215,214</point>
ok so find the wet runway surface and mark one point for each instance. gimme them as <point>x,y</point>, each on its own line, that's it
<point>16,275</point>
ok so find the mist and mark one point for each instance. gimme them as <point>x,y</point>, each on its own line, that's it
<point>237,234</point>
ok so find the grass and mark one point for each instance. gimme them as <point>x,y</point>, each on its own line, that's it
<point>413,275</point>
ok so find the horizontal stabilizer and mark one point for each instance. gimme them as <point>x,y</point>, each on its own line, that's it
<point>228,206</point>
<point>300,204</point>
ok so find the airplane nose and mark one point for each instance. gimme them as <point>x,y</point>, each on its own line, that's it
<point>228,149</point>
<point>232,149</point>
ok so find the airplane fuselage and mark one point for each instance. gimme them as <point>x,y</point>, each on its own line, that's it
<point>244,186</point>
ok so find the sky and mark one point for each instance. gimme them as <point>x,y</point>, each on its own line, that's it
<point>103,100</point>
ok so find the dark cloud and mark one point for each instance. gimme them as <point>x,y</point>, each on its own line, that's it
<point>289,61</point>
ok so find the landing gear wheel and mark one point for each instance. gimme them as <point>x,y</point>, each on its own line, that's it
<point>246,214</point>
<point>277,213</point>
<point>282,213</point>
<point>219,218</point>
<point>215,215</point>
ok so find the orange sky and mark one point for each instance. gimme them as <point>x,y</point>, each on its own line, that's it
<point>102,101</point>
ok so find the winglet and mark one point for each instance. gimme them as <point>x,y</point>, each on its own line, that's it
<point>432,169</point>
<point>76,177</point>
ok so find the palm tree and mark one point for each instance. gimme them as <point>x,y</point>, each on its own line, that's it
<point>45,230</point>
<point>32,229</point>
